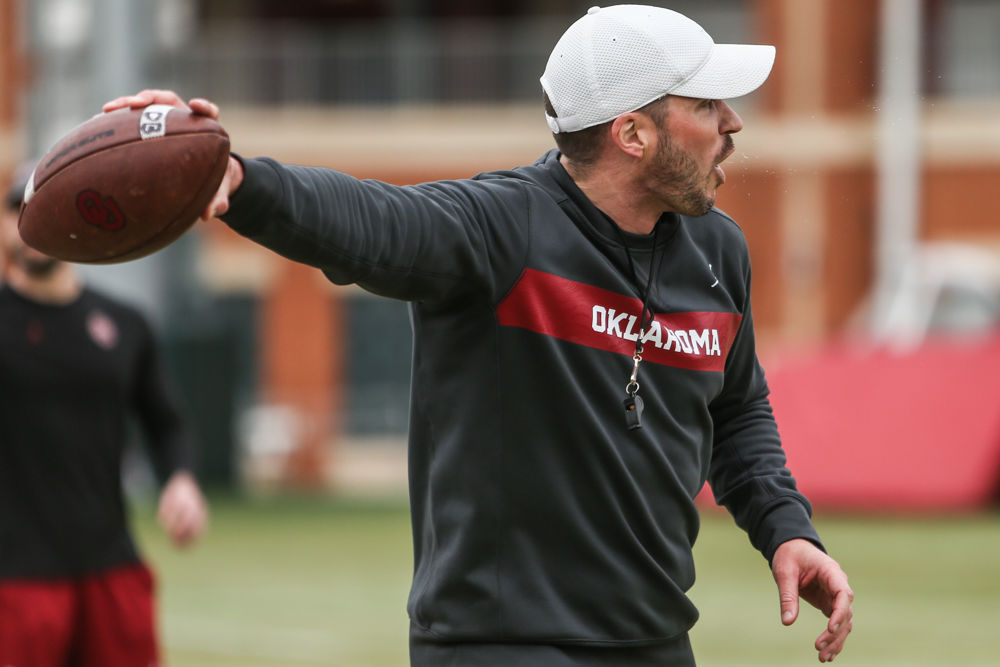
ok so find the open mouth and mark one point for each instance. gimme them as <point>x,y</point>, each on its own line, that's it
<point>720,173</point>
<point>727,150</point>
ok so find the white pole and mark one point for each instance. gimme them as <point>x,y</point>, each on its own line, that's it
<point>121,46</point>
<point>898,150</point>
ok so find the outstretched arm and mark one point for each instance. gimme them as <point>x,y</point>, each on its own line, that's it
<point>426,242</point>
<point>802,570</point>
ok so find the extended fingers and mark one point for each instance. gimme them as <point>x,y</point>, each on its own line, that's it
<point>144,98</point>
<point>200,105</point>
<point>802,570</point>
<point>831,642</point>
<point>786,576</point>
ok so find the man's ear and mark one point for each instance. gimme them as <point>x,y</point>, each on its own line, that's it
<point>632,133</point>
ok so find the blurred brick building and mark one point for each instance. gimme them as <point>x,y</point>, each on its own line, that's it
<point>414,90</point>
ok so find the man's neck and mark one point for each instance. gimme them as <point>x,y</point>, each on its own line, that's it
<point>59,287</point>
<point>614,197</point>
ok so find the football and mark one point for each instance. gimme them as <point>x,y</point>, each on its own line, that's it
<point>123,184</point>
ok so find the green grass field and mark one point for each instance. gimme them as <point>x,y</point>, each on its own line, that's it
<point>296,582</point>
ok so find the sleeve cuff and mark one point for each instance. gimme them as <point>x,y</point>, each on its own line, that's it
<point>787,520</point>
<point>254,199</point>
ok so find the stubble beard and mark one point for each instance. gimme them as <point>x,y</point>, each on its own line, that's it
<point>36,267</point>
<point>686,186</point>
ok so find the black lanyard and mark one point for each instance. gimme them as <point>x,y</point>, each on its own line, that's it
<point>633,402</point>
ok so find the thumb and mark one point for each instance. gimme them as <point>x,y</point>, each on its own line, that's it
<point>218,206</point>
<point>788,594</point>
<point>231,180</point>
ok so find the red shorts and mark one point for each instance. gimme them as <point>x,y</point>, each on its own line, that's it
<point>104,619</point>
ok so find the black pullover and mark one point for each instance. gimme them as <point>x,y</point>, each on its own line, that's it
<point>71,377</point>
<point>538,516</point>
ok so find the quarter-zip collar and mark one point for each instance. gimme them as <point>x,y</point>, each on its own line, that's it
<point>613,242</point>
<point>549,173</point>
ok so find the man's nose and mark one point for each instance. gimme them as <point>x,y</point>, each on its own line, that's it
<point>729,121</point>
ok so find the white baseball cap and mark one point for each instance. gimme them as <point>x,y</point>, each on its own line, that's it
<point>618,59</point>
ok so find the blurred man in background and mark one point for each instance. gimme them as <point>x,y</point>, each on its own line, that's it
<point>75,367</point>
<point>553,499</point>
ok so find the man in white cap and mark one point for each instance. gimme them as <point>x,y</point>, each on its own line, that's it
<point>584,357</point>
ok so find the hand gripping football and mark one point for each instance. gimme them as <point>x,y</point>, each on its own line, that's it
<point>123,184</point>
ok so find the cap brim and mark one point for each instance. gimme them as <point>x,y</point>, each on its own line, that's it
<point>732,70</point>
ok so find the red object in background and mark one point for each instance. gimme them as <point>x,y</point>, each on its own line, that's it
<point>893,431</point>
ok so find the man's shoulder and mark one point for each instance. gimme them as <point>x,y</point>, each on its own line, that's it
<point>536,173</point>
<point>503,189</point>
<point>716,233</point>
<point>724,220</point>
<point>717,225</point>
<point>536,181</point>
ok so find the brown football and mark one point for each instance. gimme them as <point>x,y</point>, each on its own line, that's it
<point>123,184</point>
